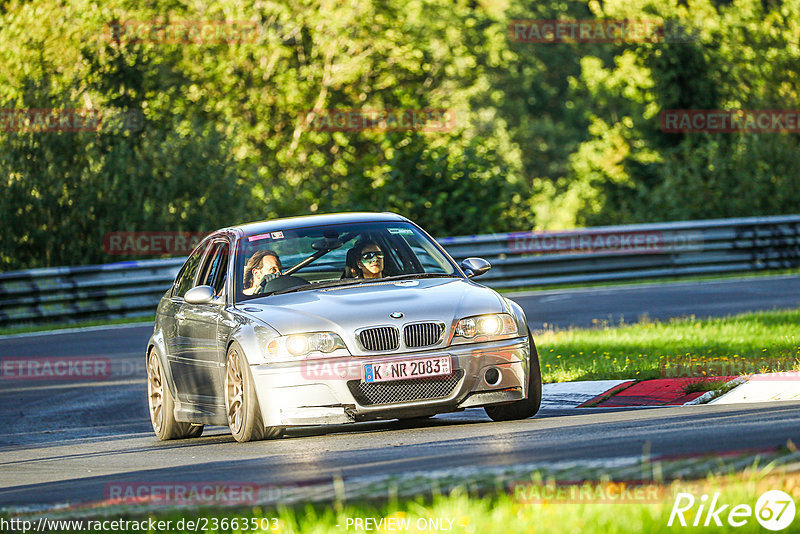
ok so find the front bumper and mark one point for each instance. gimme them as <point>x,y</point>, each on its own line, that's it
<point>330,391</point>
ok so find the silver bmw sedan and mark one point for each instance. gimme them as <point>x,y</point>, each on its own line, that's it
<point>332,319</point>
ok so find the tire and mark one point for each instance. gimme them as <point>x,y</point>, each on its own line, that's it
<point>195,431</point>
<point>161,405</point>
<point>525,408</point>
<point>241,402</point>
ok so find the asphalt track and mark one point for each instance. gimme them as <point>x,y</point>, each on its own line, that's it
<point>67,441</point>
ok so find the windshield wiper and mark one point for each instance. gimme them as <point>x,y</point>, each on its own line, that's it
<point>353,281</point>
<point>417,275</point>
<point>318,285</point>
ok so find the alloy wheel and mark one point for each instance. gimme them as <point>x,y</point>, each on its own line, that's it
<point>234,391</point>
<point>155,391</point>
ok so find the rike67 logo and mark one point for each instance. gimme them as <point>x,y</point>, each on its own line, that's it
<point>774,510</point>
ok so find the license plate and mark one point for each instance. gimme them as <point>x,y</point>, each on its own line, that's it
<point>407,369</point>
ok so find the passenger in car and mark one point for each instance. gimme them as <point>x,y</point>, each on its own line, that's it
<point>365,260</point>
<point>263,266</point>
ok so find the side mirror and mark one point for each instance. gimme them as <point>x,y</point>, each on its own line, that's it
<point>200,295</point>
<point>473,267</point>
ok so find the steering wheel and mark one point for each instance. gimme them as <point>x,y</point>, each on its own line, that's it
<point>280,283</point>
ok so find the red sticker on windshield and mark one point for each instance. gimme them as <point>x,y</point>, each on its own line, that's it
<point>257,237</point>
<point>277,235</point>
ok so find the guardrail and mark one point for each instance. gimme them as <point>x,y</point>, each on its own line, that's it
<point>635,251</point>
<point>519,259</point>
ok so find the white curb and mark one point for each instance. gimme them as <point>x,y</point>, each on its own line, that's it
<point>768,387</point>
<point>709,396</point>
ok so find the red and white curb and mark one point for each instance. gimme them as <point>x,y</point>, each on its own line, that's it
<point>574,394</point>
<point>770,387</point>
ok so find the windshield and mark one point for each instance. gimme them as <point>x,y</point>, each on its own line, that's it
<point>307,258</point>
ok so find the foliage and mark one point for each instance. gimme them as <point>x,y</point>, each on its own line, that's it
<point>548,135</point>
<point>735,56</point>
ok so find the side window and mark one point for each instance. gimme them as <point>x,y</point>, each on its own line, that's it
<point>216,268</point>
<point>185,280</point>
<point>222,271</point>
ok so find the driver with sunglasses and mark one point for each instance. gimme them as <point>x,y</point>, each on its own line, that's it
<point>365,260</point>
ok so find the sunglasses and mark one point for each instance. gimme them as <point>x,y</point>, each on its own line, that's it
<point>367,256</point>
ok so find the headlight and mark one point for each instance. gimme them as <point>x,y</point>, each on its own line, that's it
<point>484,328</point>
<point>299,345</point>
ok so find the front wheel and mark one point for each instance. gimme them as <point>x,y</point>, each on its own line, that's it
<point>241,402</point>
<point>525,408</point>
<point>162,405</point>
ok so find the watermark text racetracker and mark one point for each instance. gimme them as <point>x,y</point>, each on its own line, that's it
<point>729,121</point>
<point>151,243</point>
<point>219,493</point>
<point>384,120</point>
<point>599,31</point>
<point>778,367</point>
<point>55,368</point>
<point>603,241</point>
<point>588,492</point>
<point>69,368</point>
<point>321,369</point>
<point>40,120</point>
<point>192,493</point>
<point>205,32</point>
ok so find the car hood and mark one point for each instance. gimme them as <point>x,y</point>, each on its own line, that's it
<point>345,309</point>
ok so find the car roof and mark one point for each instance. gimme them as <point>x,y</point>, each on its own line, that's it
<point>291,223</point>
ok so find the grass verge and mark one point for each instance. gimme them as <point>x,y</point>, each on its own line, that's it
<point>689,347</point>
